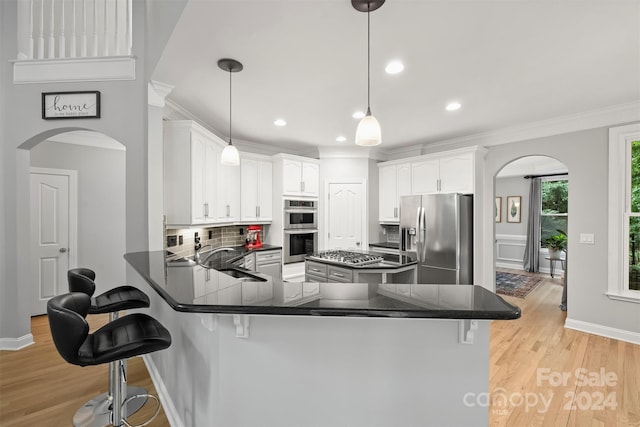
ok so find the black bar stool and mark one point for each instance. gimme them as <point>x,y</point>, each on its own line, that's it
<point>95,413</point>
<point>125,337</point>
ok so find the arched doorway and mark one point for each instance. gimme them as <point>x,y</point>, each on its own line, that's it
<point>90,229</point>
<point>531,199</point>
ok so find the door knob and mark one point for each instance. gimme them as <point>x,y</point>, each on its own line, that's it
<point>63,250</point>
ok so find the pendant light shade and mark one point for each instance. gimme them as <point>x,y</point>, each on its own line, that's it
<point>368,133</point>
<point>230,155</point>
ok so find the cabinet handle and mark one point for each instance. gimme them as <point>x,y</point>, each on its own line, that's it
<point>257,214</point>
<point>258,211</point>
<point>395,212</point>
<point>228,211</point>
<point>314,269</point>
<point>338,275</point>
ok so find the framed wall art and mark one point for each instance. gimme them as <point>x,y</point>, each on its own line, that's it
<point>71,105</point>
<point>514,213</point>
<point>498,209</point>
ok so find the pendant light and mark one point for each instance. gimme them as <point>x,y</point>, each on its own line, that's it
<point>230,155</point>
<point>368,132</point>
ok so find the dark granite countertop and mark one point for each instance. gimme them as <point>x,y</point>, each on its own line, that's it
<point>187,289</point>
<point>388,245</point>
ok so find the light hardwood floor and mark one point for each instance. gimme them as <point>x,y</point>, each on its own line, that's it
<point>38,388</point>
<point>536,358</point>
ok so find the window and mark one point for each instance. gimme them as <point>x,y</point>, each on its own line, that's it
<point>624,213</point>
<point>554,199</point>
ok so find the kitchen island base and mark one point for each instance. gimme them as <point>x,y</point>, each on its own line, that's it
<point>317,371</point>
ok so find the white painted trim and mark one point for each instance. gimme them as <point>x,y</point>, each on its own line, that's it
<point>512,237</point>
<point>93,69</point>
<point>173,416</point>
<point>88,139</point>
<point>364,245</point>
<point>603,331</point>
<point>511,266</point>
<point>15,344</point>
<point>619,138</point>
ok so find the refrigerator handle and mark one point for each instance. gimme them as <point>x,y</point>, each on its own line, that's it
<point>423,235</point>
<point>419,241</point>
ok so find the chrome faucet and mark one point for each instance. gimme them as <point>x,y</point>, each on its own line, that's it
<point>210,254</point>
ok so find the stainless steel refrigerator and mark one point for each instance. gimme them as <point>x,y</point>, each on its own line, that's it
<point>437,229</point>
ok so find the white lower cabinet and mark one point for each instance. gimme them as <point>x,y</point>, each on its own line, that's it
<point>310,289</point>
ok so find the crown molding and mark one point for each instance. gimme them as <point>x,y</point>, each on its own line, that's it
<point>88,139</point>
<point>157,92</point>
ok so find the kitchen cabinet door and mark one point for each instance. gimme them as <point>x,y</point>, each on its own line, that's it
<point>189,173</point>
<point>256,190</point>
<point>272,269</point>
<point>456,174</point>
<point>291,177</point>
<point>403,181</point>
<point>310,179</point>
<point>228,192</point>
<point>388,207</point>
<point>424,176</point>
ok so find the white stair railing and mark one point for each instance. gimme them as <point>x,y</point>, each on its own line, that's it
<point>59,29</point>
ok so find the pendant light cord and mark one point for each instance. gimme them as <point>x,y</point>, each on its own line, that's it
<point>230,111</point>
<point>369,59</point>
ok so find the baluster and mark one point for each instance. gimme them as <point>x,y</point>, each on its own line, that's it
<point>106,28</point>
<point>94,51</point>
<point>62,41</point>
<point>41,37</point>
<point>52,38</point>
<point>117,23</point>
<point>30,29</point>
<point>72,42</point>
<point>83,40</point>
<point>128,22</point>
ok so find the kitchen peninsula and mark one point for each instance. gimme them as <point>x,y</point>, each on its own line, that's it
<point>352,355</point>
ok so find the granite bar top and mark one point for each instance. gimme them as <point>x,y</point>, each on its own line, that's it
<point>212,290</point>
<point>387,245</point>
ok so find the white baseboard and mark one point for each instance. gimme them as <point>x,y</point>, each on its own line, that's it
<point>14,344</point>
<point>508,265</point>
<point>163,394</point>
<point>604,331</point>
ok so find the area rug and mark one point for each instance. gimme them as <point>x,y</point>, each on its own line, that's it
<point>516,285</point>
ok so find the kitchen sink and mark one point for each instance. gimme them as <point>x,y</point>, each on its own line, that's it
<point>242,275</point>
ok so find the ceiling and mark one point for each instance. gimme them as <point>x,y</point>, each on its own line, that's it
<point>508,62</point>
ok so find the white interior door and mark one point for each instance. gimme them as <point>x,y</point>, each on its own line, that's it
<point>52,198</point>
<point>346,216</point>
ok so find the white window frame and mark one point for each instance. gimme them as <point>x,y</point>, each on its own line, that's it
<point>620,139</point>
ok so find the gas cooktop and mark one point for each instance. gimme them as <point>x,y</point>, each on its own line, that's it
<point>347,257</point>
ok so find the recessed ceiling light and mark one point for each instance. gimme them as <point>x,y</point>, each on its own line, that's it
<point>341,138</point>
<point>358,115</point>
<point>280,122</point>
<point>453,106</point>
<point>394,67</point>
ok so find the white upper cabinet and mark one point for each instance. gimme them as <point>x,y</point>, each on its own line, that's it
<point>189,173</point>
<point>228,192</point>
<point>300,176</point>
<point>256,189</point>
<point>395,181</point>
<point>446,174</point>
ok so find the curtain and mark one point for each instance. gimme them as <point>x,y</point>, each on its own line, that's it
<point>531,261</point>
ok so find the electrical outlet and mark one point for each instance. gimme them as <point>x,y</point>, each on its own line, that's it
<point>180,239</point>
<point>241,231</point>
<point>171,241</point>
<point>210,234</point>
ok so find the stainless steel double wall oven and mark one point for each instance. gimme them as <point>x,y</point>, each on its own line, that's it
<point>300,229</point>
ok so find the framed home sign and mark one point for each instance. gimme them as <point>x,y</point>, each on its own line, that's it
<point>513,209</point>
<point>71,105</point>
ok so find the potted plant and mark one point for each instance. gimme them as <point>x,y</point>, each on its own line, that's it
<point>555,243</point>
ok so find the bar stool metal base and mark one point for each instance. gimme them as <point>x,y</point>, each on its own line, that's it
<point>96,412</point>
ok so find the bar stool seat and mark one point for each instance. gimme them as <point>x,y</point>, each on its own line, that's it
<point>119,298</point>
<point>127,336</point>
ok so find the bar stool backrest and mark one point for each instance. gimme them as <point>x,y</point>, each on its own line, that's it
<point>69,328</point>
<point>82,280</point>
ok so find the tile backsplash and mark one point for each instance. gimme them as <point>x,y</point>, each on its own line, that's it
<point>392,233</point>
<point>220,236</point>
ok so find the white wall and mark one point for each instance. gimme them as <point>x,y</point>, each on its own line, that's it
<point>101,205</point>
<point>513,186</point>
<point>124,118</point>
<point>585,154</point>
